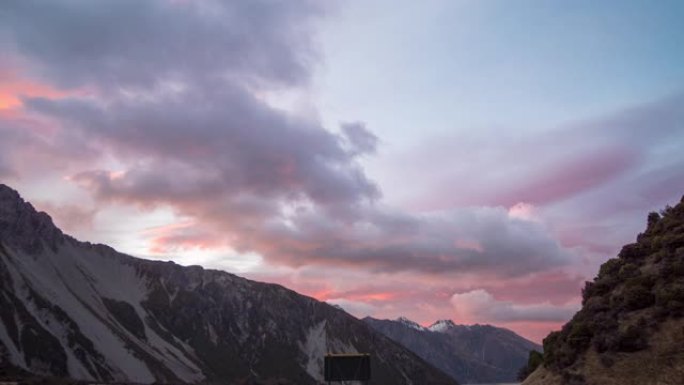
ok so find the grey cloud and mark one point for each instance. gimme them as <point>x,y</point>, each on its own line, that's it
<point>217,142</point>
<point>69,217</point>
<point>131,43</point>
<point>479,305</point>
<point>5,170</point>
<point>482,240</point>
<point>28,147</point>
<point>361,140</point>
<point>176,110</point>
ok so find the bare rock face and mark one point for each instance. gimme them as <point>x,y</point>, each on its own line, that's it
<point>468,353</point>
<point>30,230</point>
<point>75,310</point>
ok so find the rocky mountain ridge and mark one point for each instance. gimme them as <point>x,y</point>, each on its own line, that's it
<point>468,353</point>
<point>76,310</point>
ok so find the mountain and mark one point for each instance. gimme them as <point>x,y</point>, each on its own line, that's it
<point>469,354</point>
<point>630,329</point>
<point>82,311</point>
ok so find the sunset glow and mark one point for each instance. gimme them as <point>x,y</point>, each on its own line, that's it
<point>453,160</point>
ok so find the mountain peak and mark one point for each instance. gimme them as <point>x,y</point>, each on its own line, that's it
<point>442,325</point>
<point>8,194</point>
<point>470,354</point>
<point>21,225</point>
<point>407,322</point>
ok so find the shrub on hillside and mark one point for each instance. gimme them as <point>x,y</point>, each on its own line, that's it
<point>637,297</point>
<point>636,294</point>
<point>595,305</point>
<point>633,338</point>
<point>628,270</point>
<point>672,268</point>
<point>588,292</point>
<point>533,361</point>
<point>669,241</point>
<point>653,219</point>
<point>550,343</point>
<point>670,299</point>
<point>580,334</point>
<point>633,251</point>
<point>610,268</point>
<point>647,276</point>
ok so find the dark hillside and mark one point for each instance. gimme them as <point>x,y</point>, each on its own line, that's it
<point>632,303</point>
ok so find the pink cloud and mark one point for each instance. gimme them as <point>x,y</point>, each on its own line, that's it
<point>14,88</point>
<point>557,287</point>
<point>480,306</point>
<point>183,236</point>
<point>524,211</point>
<point>570,176</point>
<point>69,217</point>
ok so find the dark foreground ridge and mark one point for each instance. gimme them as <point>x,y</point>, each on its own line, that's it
<point>73,310</point>
<point>630,329</point>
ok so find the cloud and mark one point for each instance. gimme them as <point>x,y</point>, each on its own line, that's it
<point>524,211</point>
<point>557,287</point>
<point>383,241</point>
<point>69,217</point>
<point>359,309</point>
<point>182,237</point>
<point>169,112</point>
<point>388,241</point>
<point>126,43</point>
<point>480,306</point>
<point>360,139</point>
<point>177,120</point>
<point>551,166</point>
<point>230,143</point>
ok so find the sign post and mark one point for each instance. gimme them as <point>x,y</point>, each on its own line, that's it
<point>347,367</point>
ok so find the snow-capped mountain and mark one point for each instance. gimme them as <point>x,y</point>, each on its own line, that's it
<point>468,353</point>
<point>442,326</point>
<point>407,322</point>
<point>83,311</point>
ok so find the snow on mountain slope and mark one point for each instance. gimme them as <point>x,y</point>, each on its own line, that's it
<point>72,309</point>
<point>70,280</point>
<point>442,326</point>
<point>409,323</point>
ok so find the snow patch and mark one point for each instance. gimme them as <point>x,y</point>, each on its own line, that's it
<point>442,325</point>
<point>75,279</point>
<point>407,322</point>
<point>314,348</point>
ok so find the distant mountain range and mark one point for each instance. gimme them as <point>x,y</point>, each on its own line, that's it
<point>468,353</point>
<point>76,310</point>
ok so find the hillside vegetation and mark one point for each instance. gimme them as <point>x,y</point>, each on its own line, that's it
<point>630,329</point>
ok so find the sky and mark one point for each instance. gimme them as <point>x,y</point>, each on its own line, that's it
<point>466,160</point>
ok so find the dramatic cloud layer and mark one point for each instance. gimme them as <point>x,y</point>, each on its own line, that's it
<point>175,108</point>
<point>121,44</point>
<point>185,130</point>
